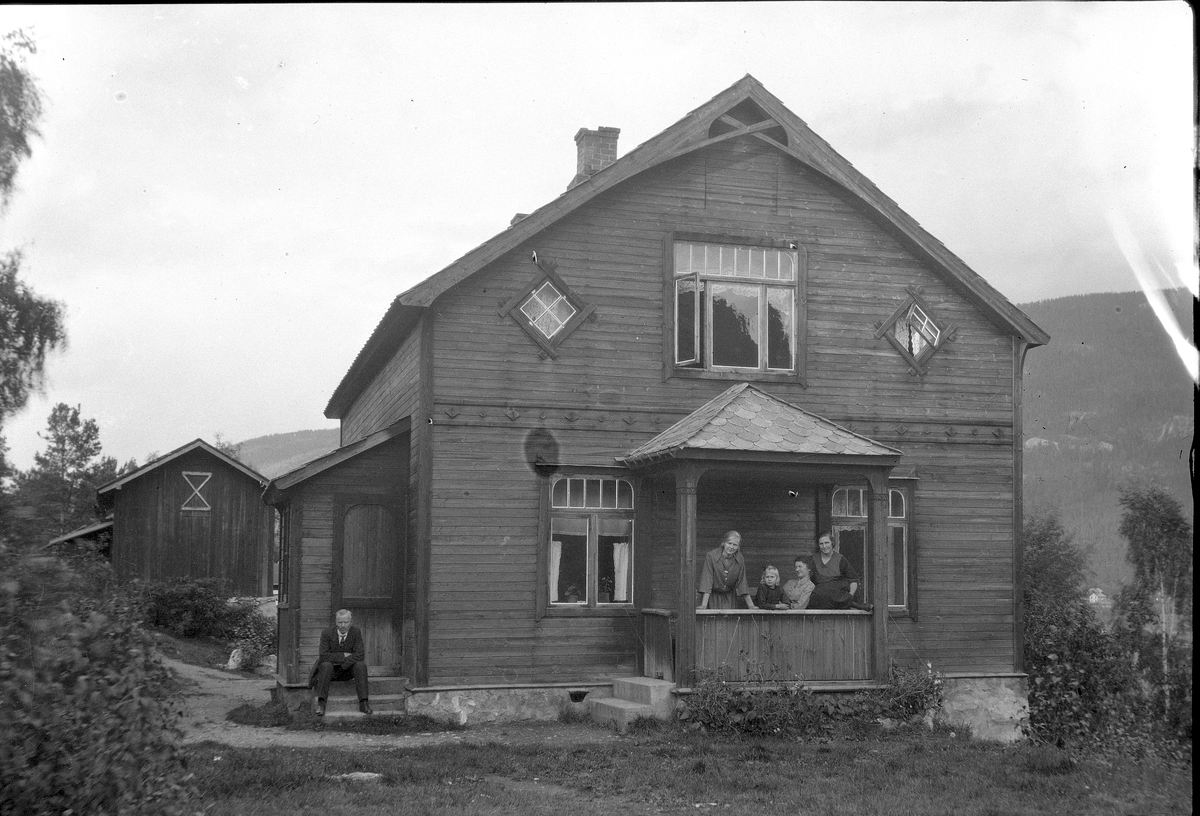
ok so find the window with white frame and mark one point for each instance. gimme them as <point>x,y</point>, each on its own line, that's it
<point>196,483</point>
<point>915,332</point>
<point>849,523</point>
<point>590,557</point>
<point>547,309</point>
<point>737,307</point>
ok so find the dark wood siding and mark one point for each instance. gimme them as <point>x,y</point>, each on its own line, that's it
<point>606,392</point>
<point>381,471</point>
<point>156,538</point>
<point>390,397</point>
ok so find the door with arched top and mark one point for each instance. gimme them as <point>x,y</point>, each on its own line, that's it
<point>368,575</point>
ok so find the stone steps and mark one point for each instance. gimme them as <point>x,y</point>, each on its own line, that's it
<point>634,697</point>
<point>388,696</point>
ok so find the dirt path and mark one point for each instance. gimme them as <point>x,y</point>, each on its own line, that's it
<point>210,694</point>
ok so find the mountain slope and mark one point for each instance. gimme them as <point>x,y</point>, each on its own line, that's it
<point>277,454</point>
<point>1106,402</point>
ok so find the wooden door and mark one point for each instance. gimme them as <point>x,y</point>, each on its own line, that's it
<point>368,576</point>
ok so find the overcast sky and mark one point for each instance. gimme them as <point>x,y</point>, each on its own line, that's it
<point>227,198</point>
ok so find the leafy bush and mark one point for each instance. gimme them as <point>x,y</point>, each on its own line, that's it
<point>247,629</point>
<point>88,712</point>
<point>185,607</point>
<point>792,708</point>
<point>196,607</point>
<point>1084,691</point>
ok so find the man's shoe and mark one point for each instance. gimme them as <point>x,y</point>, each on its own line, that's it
<point>364,707</point>
<point>320,708</point>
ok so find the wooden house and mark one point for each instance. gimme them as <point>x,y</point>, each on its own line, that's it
<point>727,328</point>
<point>194,512</point>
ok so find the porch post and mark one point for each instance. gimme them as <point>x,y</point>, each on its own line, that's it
<point>881,546</point>
<point>686,478</point>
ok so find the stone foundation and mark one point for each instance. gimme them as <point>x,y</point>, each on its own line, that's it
<point>994,708</point>
<point>475,706</point>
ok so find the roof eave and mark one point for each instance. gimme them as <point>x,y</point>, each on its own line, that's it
<point>120,481</point>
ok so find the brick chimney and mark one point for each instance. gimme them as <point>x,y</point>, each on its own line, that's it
<point>597,150</point>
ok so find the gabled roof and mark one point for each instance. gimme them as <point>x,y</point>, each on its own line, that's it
<point>198,444</point>
<point>746,419</point>
<point>782,129</point>
<point>332,459</point>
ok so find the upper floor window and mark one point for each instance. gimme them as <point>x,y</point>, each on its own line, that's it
<point>546,309</point>
<point>196,483</point>
<point>737,307</point>
<point>915,332</point>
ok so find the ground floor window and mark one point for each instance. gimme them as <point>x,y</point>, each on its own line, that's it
<point>589,554</point>
<point>849,522</point>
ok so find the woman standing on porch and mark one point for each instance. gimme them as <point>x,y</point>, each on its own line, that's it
<point>724,575</point>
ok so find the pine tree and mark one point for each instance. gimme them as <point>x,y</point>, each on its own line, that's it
<point>58,494</point>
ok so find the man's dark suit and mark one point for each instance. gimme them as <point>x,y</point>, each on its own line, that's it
<point>341,661</point>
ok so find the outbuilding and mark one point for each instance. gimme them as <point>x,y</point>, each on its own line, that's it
<point>194,512</point>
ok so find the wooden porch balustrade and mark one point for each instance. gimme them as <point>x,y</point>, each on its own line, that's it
<point>746,645</point>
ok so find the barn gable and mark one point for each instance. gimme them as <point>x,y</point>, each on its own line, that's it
<point>194,512</point>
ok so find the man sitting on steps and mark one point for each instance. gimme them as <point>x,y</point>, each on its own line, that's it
<point>343,657</point>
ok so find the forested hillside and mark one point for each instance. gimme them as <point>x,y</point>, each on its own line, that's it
<point>1108,400</point>
<point>277,454</point>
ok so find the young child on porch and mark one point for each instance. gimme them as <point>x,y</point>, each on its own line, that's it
<point>770,594</point>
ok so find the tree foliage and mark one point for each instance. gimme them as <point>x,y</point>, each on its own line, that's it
<point>1077,677</point>
<point>1155,611</point>
<point>20,108</point>
<point>30,325</point>
<point>58,493</point>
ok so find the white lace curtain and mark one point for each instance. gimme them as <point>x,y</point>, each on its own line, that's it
<point>621,571</point>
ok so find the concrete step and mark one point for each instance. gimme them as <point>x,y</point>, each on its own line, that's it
<point>347,706</point>
<point>618,713</point>
<point>375,685</point>
<point>647,691</point>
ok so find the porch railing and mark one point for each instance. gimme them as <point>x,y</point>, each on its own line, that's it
<point>813,645</point>
<point>658,643</point>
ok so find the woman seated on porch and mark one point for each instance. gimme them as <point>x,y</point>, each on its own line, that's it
<point>724,576</point>
<point>770,594</point>
<point>836,580</point>
<point>799,589</point>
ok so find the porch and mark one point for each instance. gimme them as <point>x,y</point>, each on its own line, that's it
<point>758,646</point>
<point>749,461</point>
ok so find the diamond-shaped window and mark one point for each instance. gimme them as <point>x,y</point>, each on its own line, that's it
<point>547,309</point>
<point>915,332</point>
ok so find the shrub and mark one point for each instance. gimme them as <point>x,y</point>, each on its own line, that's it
<point>791,708</point>
<point>247,629</point>
<point>88,712</point>
<point>185,607</point>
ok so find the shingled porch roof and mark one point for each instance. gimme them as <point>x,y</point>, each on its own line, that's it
<point>746,420</point>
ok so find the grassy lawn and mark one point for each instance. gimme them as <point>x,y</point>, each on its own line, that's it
<point>675,771</point>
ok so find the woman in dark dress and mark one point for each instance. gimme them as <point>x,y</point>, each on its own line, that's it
<point>836,580</point>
